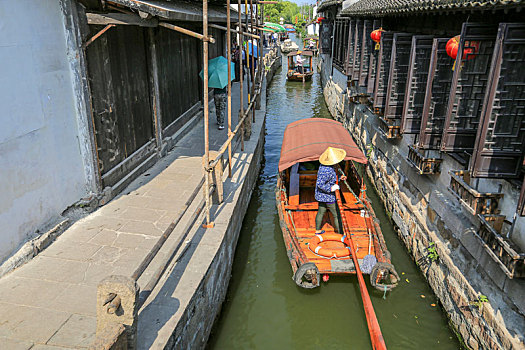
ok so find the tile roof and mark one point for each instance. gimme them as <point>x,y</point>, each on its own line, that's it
<point>398,7</point>
<point>327,3</point>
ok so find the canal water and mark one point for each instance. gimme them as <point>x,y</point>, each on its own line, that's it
<point>265,309</point>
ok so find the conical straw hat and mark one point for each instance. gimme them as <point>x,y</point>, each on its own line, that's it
<point>332,156</point>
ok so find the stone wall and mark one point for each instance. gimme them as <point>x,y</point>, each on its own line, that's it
<point>43,168</point>
<point>424,212</point>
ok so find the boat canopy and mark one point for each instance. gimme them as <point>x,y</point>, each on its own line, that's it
<point>302,53</point>
<point>306,139</point>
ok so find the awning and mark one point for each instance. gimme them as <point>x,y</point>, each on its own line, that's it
<point>179,10</point>
<point>305,140</point>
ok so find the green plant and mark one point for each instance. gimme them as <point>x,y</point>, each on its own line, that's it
<point>478,302</point>
<point>369,150</point>
<point>432,253</point>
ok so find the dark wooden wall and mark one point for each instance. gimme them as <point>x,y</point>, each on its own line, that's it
<point>120,90</point>
<point>120,78</point>
<point>179,61</point>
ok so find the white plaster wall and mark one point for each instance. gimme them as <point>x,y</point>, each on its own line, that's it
<point>41,167</point>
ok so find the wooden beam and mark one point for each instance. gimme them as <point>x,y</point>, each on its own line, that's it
<point>119,18</point>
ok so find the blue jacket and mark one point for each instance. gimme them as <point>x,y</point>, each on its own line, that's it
<point>326,178</point>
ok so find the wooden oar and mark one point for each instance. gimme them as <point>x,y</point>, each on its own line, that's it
<point>378,343</point>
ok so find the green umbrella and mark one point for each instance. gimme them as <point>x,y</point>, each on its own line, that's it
<point>275,25</point>
<point>218,72</point>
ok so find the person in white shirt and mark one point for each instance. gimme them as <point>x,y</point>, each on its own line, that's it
<point>299,64</point>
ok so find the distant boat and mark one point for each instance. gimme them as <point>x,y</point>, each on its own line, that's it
<point>312,256</point>
<point>288,46</point>
<point>293,74</point>
<point>311,43</point>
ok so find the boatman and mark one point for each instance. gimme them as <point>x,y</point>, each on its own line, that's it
<point>325,188</point>
<point>299,63</point>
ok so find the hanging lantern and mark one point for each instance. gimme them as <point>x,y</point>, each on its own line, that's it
<point>469,52</point>
<point>376,37</point>
<point>452,47</point>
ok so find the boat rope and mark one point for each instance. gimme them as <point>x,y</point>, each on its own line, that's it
<point>291,219</point>
<point>384,293</point>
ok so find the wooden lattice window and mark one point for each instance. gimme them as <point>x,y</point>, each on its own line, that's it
<point>469,84</point>
<point>366,48</point>
<point>358,32</point>
<point>395,95</point>
<point>372,65</point>
<point>416,84</point>
<point>327,27</point>
<point>349,60</point>
<point>436,97</point>
<point>501,137</point>
<point>383,70</point>
<point>337,43</point>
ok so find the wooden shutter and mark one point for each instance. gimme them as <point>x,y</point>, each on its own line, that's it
<point>501,136</point>
<point>468,87</point>
<point>395,95</point>
<point>326,36</point>
<point>357,49</point>
<point>366,47</point>
<point>383,70</point>
<point>436,97</point>
<point>416,84</point>
<point>350,48</point>
<point>372,65</point>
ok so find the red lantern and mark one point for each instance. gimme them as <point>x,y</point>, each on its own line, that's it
<point>469,52</point>
<point>376,37</point>
<point>452,47</point>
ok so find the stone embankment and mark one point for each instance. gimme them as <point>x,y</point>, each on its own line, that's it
<point>426,215</point>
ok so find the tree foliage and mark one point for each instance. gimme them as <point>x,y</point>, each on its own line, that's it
<point>289,11</point>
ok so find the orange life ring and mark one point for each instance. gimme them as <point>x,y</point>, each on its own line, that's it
<point>314,246</point>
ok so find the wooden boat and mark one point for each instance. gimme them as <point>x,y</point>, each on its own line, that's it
<point>307,46</point>
<point>293,74</point>
<point>304,141</point>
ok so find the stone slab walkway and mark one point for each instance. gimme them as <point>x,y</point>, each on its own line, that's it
<point>49,303</point>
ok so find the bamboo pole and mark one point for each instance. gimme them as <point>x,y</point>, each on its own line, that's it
<point>248,130</point>
<point>260,17</point>
<point>229,53</point>
<point>203,36</point>
<point>252,59</point>
<point>241,71</point>
<point>232,30</point>
<point>94,37</point>
<point>209,223</point>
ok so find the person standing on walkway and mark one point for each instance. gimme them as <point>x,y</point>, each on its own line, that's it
<point>325,188</point>
<point>220,99</point>
<point>236,61</point>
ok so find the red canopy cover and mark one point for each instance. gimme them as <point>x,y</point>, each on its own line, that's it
<point>306,139</point>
